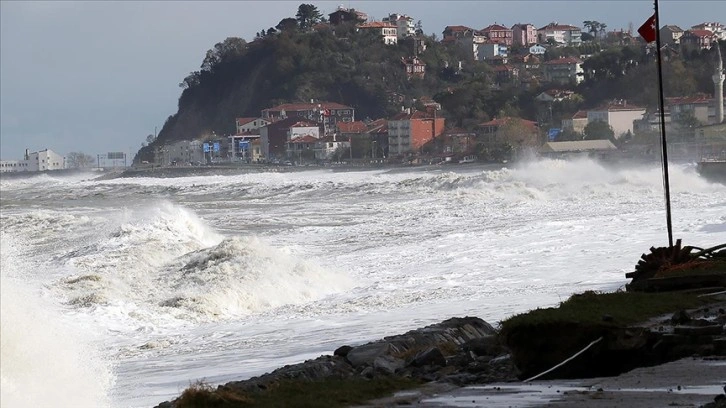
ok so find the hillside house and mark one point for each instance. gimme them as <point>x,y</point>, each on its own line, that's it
<point>327,113</point>
<point>274,137</point>
<point>618,114</point>
<point>458,142</point>
<point>327,147</point>
<point>699,39</point>
<point>524,34</point>
<point>405,26</point>
<point>716,28</point>
<point>408,132</point>
<point>560,34</point>
<point>670,35</point>
<point>702,107</point>
<point>346,15</point>
<point>537,49</point>
<point>457,32</point>
<point>386,31</point>
<point>563,70</point>
<point>414,67</point>
<point>576,123</point>
<point>495,132</point>
<point>497,33</point>
<point>489,50</point>
<point>244,125</point>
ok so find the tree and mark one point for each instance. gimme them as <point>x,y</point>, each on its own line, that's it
<point>287,24</point>
<point>419,28</point>
<point>78,160</point>
<point>308,15</point>
<point>599,130</point>
<point>227,50</point>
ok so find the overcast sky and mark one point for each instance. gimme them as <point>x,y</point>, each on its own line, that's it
<point>98,76</point>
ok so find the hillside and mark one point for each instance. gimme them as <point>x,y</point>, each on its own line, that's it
<point>342,64</point>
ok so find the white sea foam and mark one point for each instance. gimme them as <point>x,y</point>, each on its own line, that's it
<point>196,277</point>
<point>47,359</point>
<point>166,262</point>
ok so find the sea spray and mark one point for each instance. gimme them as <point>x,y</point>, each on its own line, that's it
<point>245,275</point>
<point>47,360</point>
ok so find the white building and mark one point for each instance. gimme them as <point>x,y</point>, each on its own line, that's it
<point>404,24</point>
<point>387,31</point>
<point>250,124</point>
<point>43,160</point>
<point>182,152</point>
<point>619,115</point>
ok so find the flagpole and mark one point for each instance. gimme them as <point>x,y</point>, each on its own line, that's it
<point>664,149</point>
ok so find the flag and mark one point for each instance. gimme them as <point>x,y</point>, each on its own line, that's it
<point>648,30</point>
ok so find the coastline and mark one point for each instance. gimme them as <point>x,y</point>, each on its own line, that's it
<point>464,362</point>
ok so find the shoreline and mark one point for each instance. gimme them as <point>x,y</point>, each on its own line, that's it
<point>463,362</point>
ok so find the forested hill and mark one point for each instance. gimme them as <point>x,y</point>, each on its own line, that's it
<point>299,60</point>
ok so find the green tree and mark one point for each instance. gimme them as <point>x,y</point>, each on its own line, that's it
<point>308,15</point>
<point>599,130</point>
<point>287,24</point>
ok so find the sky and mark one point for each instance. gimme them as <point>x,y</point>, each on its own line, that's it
<point>99,76</point>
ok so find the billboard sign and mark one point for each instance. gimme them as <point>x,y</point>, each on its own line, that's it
<point>205,147</point>
<point>115,155</point>
<point>216,146</point>
<point>244,144</point>
<point>553,133</point>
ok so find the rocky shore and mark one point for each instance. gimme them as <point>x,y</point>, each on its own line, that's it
<point>674,309</point>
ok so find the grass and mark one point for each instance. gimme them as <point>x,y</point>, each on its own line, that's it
<point>332,392</point>
<point>589,308</point>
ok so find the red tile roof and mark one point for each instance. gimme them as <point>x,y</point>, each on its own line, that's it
<point>580,115</point>
<point>352,127</point>
<point>377,24</point>
<point>494,27</point>
<point>457,28</point>
<point>307,139</point>
<point>701,33</point>
<point>244,121</point>
<point>683,100</point>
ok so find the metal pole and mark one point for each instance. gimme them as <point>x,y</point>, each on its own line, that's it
<point>664,152</point>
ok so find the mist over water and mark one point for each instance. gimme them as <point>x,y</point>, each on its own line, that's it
<point>224,277</point>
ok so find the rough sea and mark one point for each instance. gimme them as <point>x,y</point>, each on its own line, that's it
<point>122,292</point>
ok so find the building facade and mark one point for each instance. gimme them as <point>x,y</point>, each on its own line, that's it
<point>409,132</point>
<point>524,34</point>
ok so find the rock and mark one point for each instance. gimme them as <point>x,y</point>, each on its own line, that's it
<point>431,356</point>
<point>367,353</point>
<point>680,317</point>
<point>342,351</point>
<point>388,364</point>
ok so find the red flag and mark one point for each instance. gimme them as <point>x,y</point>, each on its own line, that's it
<point>648,30</point>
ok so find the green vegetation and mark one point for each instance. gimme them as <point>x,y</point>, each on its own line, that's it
<point>589,308</point>
<point>333,392</point>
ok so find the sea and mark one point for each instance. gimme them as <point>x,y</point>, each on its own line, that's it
<point>122,292</point>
